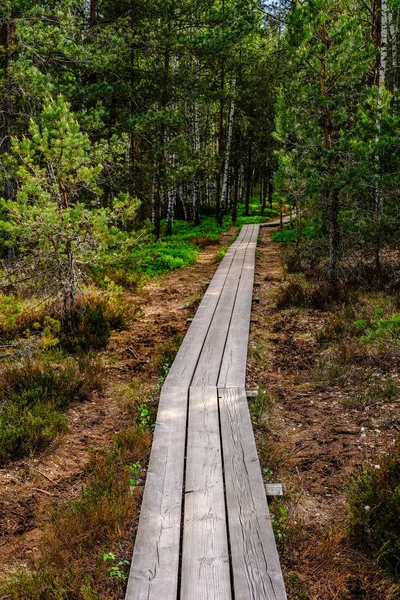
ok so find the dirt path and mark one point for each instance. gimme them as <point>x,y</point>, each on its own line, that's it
<point>31,488</point>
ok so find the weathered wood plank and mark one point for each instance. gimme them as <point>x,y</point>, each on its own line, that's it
<point>205,558</point>
<point>155,561</point>
<point>255,562</point>
<point>233,367</point>
<point>185,362</point>
<point>209,364</point>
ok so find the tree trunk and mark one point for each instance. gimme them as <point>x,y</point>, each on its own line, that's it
<point>93,12</point>
<point>156,203</point>
<point>218,212</point>
<point>382,36</point>
<point>334,238</point>
<point>196,183</point>
<point>7,40</point>
<point>224,196</point>
<point>68,277</point>
<point>170,209</point>
<point>393,25</point>
<point>235,194</point>
<point>248,179</point>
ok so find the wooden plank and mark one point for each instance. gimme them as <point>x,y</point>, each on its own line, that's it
<point>185,362</point>
<point>255,562</point>
<point>234,362</point>
<point>155,562</point>
<point>205,556</point>
<point>274,489</point>
<point>209,364</point>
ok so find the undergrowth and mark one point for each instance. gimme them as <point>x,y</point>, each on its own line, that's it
<point>86,545</point>
<point>374,506</point>
<point>33,396</point>
<point>82,531</point>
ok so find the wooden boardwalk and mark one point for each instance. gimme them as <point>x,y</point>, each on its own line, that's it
<point>204,531</point>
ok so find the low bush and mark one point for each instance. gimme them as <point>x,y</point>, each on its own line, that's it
<point>33,396</point>
<point>374,509</point>
<point>86,328</point>
<point>82,532</point>
<point>89,325</point>
<point>298,292</point>
<point>261,408</point>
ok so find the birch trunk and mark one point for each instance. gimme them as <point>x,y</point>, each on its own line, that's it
<point>383,39</point>
<point>156,202</point>
<point>219,150</point>
<point>393,24</point>
<point>171,195</point>
<point>248,178</point>
<point>196,183</point>
<point>224,196</point>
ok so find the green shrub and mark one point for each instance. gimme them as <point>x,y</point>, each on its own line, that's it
<point>286,236</point>
<point>382,329</point>
<point>310,231</point>
<point>86,328</point>
<point>160,257</point>
<point>301,293</point>
<point>26,428</point>
<point>374,505</point>
<point>89,325</point>
<point>33,395</point>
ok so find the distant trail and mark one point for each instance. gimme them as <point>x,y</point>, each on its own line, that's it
<point>276,223</point>
<point>205,531</point>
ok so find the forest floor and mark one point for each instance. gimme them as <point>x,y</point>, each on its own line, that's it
<point>311,442</point>
<point>306,438</point>
<point>132,364</point>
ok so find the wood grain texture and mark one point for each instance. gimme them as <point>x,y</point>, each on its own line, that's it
<point>205,557</point>
<point>209,364</point>
<point>234,362</point>
<point>255,562</point>
<point>213,351</point>
<point>185,362</point>
<point>155,561</point>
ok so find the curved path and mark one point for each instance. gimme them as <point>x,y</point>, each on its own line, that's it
<point>204,531</point>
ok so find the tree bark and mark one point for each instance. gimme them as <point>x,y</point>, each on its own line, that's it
<point>334,238</point>
<point>156,202</point>
<point>7,39</point>
<point>196,182</point>
<point>235,194</point>
<point>382,36</point>
<point>224,196</point>
<point>93,12</point>
<point>248,179</point>
<point>218,212</point>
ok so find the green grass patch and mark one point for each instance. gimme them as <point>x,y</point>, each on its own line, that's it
<point>161,257</point>
<point>310,230</point>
